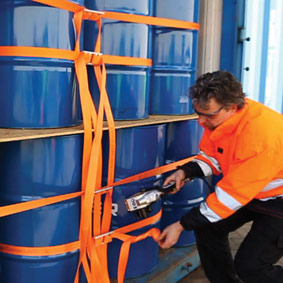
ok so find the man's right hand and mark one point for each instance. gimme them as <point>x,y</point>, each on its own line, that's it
<point>178,177</point>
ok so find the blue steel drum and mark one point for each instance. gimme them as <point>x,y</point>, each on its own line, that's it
<point>174,59</point>
<point>22,269</point>
<point>119,38</point>
<point>142,7</point>
<point>138,149</point>
<point>37,92</point>
<point>34,169</point>
<point>127,89</point>
<point>184,10</point>
<point>176,206</point>
<point>175,49</point>
<point>127,86</point>
<point>169,92</point>
<point>145,249</point>
<point>182,140</point>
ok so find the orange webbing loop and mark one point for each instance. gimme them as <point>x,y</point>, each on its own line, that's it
<point>104,240</point>
<point>140,224</point>
<point>125,248</point>
<point>92,156</point>
<point>102,226</point>
<point>89,161</point>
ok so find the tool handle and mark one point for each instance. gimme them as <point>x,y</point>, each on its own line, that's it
<point>171,187</point>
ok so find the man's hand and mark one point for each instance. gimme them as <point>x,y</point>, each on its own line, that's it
<point>178,177</point>
<point>170,235</point>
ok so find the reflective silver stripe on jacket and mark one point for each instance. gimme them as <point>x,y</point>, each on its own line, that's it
<point>227,199</point>
<point>212,160</point>
<point>208,213</point>
<point>272,185</point>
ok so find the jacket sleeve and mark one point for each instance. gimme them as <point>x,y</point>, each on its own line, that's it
<point>245,179</point>
<point>206,157</point>
<point>204,164</point>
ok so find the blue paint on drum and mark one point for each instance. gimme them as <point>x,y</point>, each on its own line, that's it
<point>127,86</point>
<point>174,52</point>
<point>175,49</point>
<point>142,7</point>
<point>182,139</point>
<point>119,38</point>
<point>31,85</point>
<point>138,149</point>
<point>183,10</point>
<point>34,169</point>
<point>177,205</point>
<point>22,269</point>
<point>38,93</point>
<point>127,89</point>
<point>169,92</point>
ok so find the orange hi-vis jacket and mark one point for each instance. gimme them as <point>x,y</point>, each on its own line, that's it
<point>248,150</point>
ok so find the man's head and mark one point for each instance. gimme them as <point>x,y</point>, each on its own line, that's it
<point>216,97</point>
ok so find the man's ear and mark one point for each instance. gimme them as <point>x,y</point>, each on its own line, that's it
<point>234,108</point>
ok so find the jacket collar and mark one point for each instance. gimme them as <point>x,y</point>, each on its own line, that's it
<point>235,123</point>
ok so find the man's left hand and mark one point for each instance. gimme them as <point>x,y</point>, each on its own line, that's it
<point>170,235</point>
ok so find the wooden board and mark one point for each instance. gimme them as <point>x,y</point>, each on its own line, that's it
<point>7,135</point>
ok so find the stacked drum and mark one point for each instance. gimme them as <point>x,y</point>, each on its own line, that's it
<point>138,149</point>
<point>174,58</point>
<point>182,141</point>
<point>39,93</point>
<point>127,86</point>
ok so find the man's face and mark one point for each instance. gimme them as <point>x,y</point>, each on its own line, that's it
<point>215,114</point>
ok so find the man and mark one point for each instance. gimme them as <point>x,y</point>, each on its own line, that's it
<point>243,141</point>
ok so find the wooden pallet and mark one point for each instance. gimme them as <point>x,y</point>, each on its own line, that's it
<point>174,264</point>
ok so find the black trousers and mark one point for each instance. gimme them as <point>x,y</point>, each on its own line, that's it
<point>260,250</point>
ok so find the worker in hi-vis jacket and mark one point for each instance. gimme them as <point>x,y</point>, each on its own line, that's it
<point>243,141</point>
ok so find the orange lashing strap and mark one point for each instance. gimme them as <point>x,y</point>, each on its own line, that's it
<point>32,204</point>
<point>149,20</point>
<point>92,15</point>
<point>125,249</point>
<point>40,251</point>
<point>62,4</point>
<point>95,59</point>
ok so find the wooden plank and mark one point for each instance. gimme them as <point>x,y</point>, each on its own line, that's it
<point>7,135</point>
